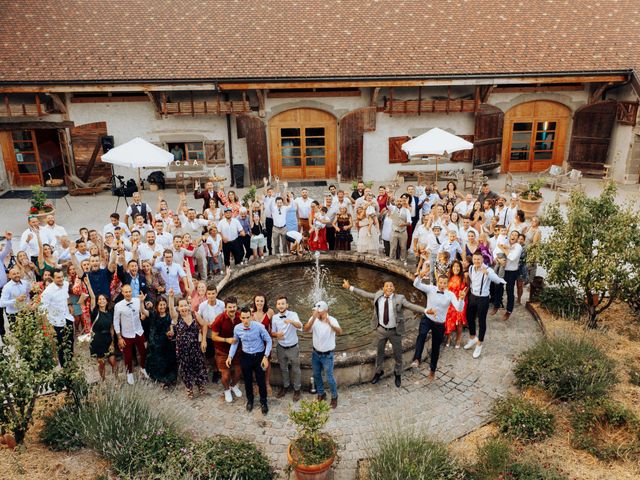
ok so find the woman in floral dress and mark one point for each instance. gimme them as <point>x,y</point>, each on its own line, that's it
<point>456,320</point>
<point>189,349</point>
<point>80,301</point>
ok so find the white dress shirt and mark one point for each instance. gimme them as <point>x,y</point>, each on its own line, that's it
<point>146,252</point>
<point>280,215</point>
<point>210,312</point>
<point>480,281</point>
<point>10,292</point>
<point>303,206</point>
<point>193,227</point>
<point>464,208</point>
<point>126,318</point>
<point>55,300</point>
<point>324,337</point>
<point>513,258</point>
<point>269,203</point>
<point>392,311</point>
<point>50,234</point>
<point>505,215</point>
<point>29,246</point>
<point>438,301</point>
<point>290,332</point>
<point>165,240</point>
<point>111,228</point>
<point>171,274</point>
<point>229,229</point>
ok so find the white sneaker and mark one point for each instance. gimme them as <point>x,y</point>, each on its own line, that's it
<point>470,343</point>
<point>130,379</point>
<point>236,391</point>
<point>477,351</point>
<point>144,373</point>
<point>415,364</point>
<point>227,396</point>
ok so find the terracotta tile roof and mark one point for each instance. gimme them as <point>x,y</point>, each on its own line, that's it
<point>90,40</point>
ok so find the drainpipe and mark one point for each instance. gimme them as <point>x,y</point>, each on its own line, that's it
<point>229,140</point>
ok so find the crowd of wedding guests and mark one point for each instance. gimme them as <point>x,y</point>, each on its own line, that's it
<point>145,287</point>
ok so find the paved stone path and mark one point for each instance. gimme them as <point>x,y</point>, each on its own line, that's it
<point>457,402</point>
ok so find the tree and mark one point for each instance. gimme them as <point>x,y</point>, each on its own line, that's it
<point>595,250</point>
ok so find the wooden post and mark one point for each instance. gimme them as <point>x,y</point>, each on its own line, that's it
<point>38,108</point>
<point>164,104</point>
<point>193,113</point>
<point>391,102</point>
<point>420,100</point>
<point>6,105</point>
<point>476,99</point>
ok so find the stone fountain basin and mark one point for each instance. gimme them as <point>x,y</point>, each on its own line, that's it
<point>351,367</point>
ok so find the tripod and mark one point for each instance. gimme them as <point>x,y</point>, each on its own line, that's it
<point>120,190</point>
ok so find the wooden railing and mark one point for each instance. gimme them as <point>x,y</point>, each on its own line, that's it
<point>212,107</point>
<point>415,107</point>
<point>35,109</point>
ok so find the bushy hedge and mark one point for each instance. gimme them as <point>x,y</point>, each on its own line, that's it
<point>563,302</point>
<point>142,441</point>
<point>521,419</point>
<point>568,368</point>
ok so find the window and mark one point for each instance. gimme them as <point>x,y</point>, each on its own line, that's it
<point>309,144</point>
<point>527,142</point>
<point>23,146</point>
<point>290,144</point>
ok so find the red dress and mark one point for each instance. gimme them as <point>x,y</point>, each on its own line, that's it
<point>455,317</point>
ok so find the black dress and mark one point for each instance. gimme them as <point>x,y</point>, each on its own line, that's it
<point>343,237</point>
<point>161,362</point>
<point>101,339</point>
<point>193,369</point>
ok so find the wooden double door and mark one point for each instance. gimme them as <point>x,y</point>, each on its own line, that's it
<point>302,144</point>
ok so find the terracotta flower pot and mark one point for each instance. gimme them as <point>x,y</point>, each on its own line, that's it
<point>530,207</point>
<point>9,441</point>
<point>311,472</point>
<point>42,216</point>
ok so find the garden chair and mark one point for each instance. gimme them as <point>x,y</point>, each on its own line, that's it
<point>569,182</point>
<point>552,176</point>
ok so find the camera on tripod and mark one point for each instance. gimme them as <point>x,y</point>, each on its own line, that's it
<point>121,189</point>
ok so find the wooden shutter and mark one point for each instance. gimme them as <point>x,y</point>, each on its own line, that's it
<point>254,130</point>
<point>214,152</point>
<point>352,127</point>
<point>463,155</point>
<point>396,154</point>
<point>487,142</point>
<point>591,134</point>
<point>87,151</point>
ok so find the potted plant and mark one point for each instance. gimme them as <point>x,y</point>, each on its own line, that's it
<point>40,207</point>
<point>531,199</point>
<point>312,452</point>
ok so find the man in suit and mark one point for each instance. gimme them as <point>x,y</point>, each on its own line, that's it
<point>207,194</point>
<point>388,321</point>
<point>131,276</point>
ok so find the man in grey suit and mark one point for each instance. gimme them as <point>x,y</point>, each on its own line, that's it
<point>388,321</point>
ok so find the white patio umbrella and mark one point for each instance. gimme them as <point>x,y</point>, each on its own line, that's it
<point>435,142</point>
<point>138,153</point>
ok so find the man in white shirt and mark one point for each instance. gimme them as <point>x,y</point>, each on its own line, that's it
<point>480,278</point>
<point>138,207</point>
<point>279,212</point>
<point>343,201</point>
<point>324,328</point>
<point>438,301</point>
<point>171,273</point>
<point>55,301</point>
<point>140,226</point>
<point>115,222</point>
<point>14,297</point>
<point>51,233</point>
<point>128,329</point>
<point>502,212</point>
<point>29,239</point>
<point>332,211</point>
<point>428,199</point>
<point>179,252</point>
<point>269,202</point>
<point>230,230</point>
<point>150,250</point>
<point>194,226</point>
<point>303,209</point>
<point>464,208</point>
<point>284,328</point>
<point>512,252</point>
<point>435,240</point>
<point>400,219</point>
<point>164,239</point>
<point>464,229</point>
<point>209,311</point>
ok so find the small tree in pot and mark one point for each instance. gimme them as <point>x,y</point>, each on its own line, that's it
<point>531,199</point>
<point>312,452</point>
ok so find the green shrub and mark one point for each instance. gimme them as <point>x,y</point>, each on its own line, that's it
<point>522,419</point>
<point>121,425</point>
<point>568,368</point>
<point>634,375</point>
<point>563,302</point>
<point>496,461</point>
<point>219,457</point>
<point>605,429</point>
<point>62,429</point>
<point>407,454</point>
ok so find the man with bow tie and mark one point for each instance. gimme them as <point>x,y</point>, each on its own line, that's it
<point>284,328</point>
<point>138,207</point>
<point>438,301</point>
<point>388,322</point>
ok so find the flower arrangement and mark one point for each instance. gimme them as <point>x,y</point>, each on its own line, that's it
<point>39,203</point>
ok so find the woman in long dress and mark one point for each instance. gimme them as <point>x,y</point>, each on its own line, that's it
<point>161,362</point>
<point>102,344</point>
<point>189,349</point>
<point>342,224</point>
<point>456,320</point>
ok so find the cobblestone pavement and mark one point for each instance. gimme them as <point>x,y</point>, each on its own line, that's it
<point>456,402</point>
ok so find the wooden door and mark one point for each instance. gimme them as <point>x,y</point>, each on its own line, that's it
<point>591,135</point>
<point>534,136</point>
<point>303,144</point>
<point>253,129</point>
<point>87,151</point>
<point>487,136</point>
<point>21,157</point>
<point>353,125</point>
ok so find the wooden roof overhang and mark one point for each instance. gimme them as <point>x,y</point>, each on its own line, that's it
<point>159,85</point>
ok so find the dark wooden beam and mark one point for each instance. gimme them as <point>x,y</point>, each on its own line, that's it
<point>22,125</point>
<point>476,99</point>
<point>157,107</point>
<point>419,100</point>
<point>92,161</point>
<point>540,88</point>
<point>58,102</point>
<point>375,93</point>
<point>597,93</point>
<point>261,98</point>
<point>487,90</point>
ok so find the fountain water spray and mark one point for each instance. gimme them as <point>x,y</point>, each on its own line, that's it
<point>319,275</point>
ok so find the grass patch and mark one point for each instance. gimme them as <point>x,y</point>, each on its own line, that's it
<point>521,419</point>
<point>605,429</point>
<point>567,368</point>
<point>402,454</point>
